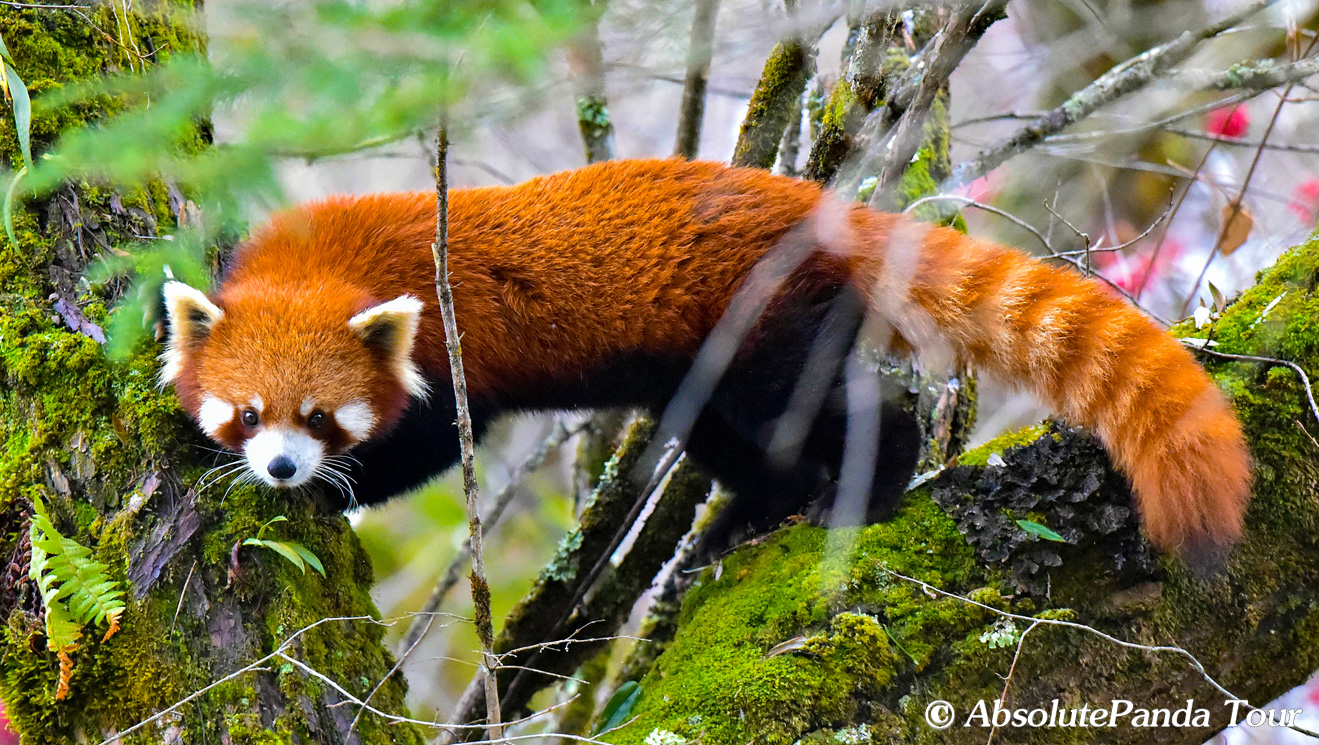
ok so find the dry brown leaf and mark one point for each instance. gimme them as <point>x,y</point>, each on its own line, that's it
<point>1237,224</point>
<point>113,618</point>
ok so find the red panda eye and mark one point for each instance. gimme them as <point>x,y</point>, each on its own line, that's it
<point>250,418</point>
<point>316,420</point>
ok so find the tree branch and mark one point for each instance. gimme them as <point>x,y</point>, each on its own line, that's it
<point>1124,78</point>
<point>480,586</point>
<point>688,140</point>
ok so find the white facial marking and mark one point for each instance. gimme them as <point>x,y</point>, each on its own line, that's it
<point>214,414</point>
<point>307,406</point>
<point>356,418</point>
<point>258,404</point>
<point>279,447</point>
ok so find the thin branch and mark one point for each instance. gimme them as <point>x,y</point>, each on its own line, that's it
<point>1124,78</point>
<point>1305,379</point>
<point>256,666</point>
<point>1235,205</point>
<point>480,586</point>
<point>426,616</point>
<point>688,140</point>
<point>1195,663</point>
<point>969,202</point>
<point>1236,142</point>
<point>1007,682</point>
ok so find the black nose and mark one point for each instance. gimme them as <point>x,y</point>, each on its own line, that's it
<point>281,467</point>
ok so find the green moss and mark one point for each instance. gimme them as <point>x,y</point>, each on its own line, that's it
<point>794,634</point>
<point>781,83</point>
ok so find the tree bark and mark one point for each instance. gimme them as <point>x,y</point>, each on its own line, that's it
<point>116,463</point>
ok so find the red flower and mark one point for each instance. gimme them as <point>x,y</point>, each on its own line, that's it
<point>1305,201</point>
<point>1229,121</point>
<point>1313,692</point>
<point>7,736</point>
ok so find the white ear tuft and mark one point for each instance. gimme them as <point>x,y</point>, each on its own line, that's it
<point>391,329</point>
<point>191,315</point>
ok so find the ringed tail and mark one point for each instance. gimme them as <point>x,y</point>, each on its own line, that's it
<point>1080,348</point>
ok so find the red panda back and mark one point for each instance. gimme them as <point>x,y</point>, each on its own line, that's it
<point>554,277</point>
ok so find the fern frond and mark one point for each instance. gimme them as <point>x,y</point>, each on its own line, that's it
<point>70,575</point>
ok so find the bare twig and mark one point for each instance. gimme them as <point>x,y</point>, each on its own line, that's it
<point>182,594</point>
<point>1305,379</point>
<point>688,140</point>
<point>1235,206</point>
<point>1292,147</point>
<point>1124,78</point>
<point>480,586</point>
<point>1007,682</point>
<point>1195,663</point>
<point>969,202</point>
<point>258,665</point>
<point>425,618</point>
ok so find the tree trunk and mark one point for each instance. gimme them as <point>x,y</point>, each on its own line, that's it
<point>115,461</point>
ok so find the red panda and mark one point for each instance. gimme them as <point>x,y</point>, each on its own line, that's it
<point>597,287</point>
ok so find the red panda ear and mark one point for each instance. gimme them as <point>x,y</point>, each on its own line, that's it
<point>191,315</point>
<point>390,329</point>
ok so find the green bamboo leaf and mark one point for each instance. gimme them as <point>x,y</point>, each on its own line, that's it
<point>1041,531</point>
<point>308,556</point>
<point>619,706</point>
<point>22,112</point>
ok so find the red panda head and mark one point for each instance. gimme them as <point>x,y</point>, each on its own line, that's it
<point>291,375</point>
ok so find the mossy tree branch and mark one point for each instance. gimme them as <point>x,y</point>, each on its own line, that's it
<point>807,643</point>
<point>781,85</point>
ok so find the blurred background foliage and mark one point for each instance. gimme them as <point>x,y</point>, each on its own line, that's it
<point>295,100</point>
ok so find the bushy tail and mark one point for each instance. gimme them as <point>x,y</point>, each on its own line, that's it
<point>1099,361</point>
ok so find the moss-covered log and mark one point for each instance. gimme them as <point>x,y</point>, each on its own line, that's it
<point>116,463</point>
<point>806,637</point>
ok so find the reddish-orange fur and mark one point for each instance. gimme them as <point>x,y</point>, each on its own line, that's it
<point>555,276</point>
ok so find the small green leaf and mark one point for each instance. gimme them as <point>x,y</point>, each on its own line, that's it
<point>22,112</point>
<point>307,555</point>
<point>1041,531</point>
<point>284,550</point>
<point>619,706</point>
<point>276,519</point>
